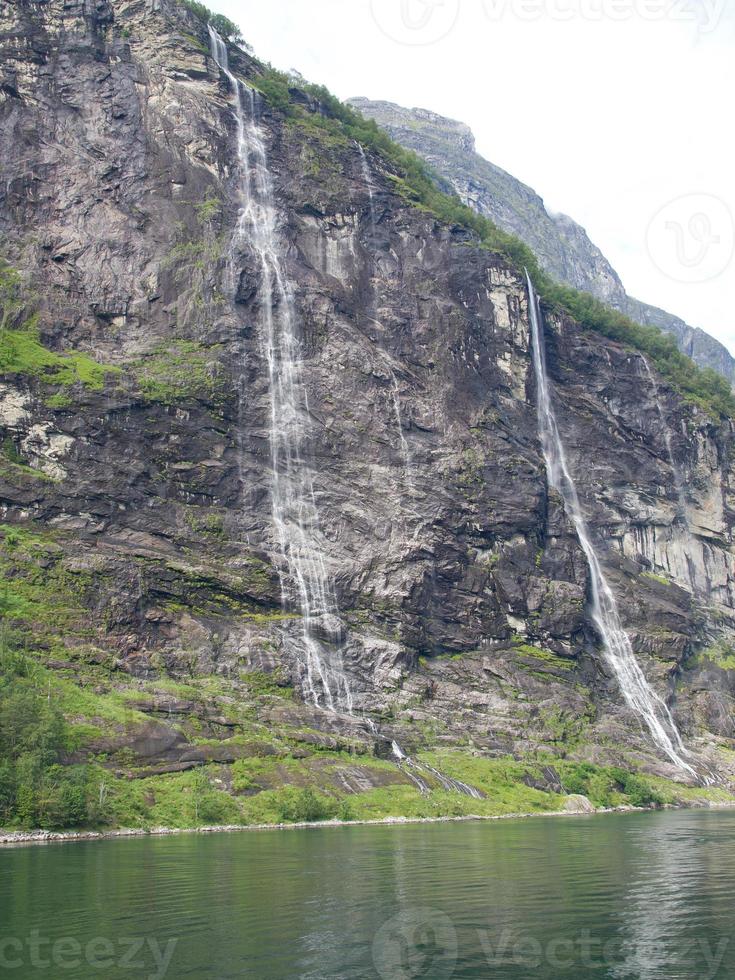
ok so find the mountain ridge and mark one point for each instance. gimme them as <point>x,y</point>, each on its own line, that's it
<point>562,246</point>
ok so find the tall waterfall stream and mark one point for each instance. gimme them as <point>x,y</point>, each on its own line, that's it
<point>617,648</point>
<point>306,585</point>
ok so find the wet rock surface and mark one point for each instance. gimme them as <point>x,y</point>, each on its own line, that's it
<point>560,244</point>
<point>461,586</point>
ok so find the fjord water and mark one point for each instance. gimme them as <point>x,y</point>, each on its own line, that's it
<point>646,896</point>
<point>638,694</point>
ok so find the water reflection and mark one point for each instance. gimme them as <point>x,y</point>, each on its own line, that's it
<point>637,896</point>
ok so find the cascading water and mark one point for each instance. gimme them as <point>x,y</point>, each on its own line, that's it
<point>678,482</point>
<point>616,644</point>
<point>368,177</point>
<point>413,769</point>
<point>405,451</point>
<point>305,582</point>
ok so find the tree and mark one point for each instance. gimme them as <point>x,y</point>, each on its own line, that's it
<point>36,790</point>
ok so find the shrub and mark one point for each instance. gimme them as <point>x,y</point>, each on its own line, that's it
<point>299,805</point>
<point>274,86</point>
<point>226,28</point>
<point>35,789</point>
<point>638,790</point>
<point>345,810</point>
<point>608,785</point>
<point>210,805</point>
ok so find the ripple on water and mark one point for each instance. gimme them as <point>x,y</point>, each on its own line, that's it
<point>505,900</point>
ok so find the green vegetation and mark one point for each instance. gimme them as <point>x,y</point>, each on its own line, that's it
<point>36,790</point>
<point>196,254</point>
<point>608,786</point>
<point>39,591</point>
<point>282,777</point>
<point>11,302</point>
<point>296,805</point>
<point>505,781</point>
<point>546,656</point>
<point>654,577</point>
<point>274,85</point>
<point>228,30</point>
<point>59,401</point>
<point>21,350</point>
<point>209,208</point>
<point>181,370</point>
<point>419,187</point>
<point>721,653</point>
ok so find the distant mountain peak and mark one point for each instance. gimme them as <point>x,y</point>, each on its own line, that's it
<point>561,245</point>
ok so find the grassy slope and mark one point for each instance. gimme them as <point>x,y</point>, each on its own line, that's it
<point>284,778</point>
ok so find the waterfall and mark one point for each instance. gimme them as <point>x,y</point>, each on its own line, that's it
<point>405,451</point>
<point>678,482</point>
<point>413,769</point>
<point>368,178</point>
<point>618,651</point>
<point>306,585</point>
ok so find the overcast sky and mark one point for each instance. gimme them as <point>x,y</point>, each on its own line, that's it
<point>618,112</point>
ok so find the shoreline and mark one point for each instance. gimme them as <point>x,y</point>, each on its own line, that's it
<point>21,837</point>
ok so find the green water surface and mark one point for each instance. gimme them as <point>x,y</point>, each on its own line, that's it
<point>620,896</point>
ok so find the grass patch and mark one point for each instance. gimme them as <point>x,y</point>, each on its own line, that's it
<point>721,654</point>
<point>545,656</point>
<point>38,589</point>
<point>502,780</point>
<point>180,371</point>
<point>21,352</point>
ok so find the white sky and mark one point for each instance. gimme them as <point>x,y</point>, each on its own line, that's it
<point>610,109</point>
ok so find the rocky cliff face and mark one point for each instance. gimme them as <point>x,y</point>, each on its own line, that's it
<point>561,245</point>
<point>139,540</point>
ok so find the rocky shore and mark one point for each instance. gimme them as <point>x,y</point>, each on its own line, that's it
<point>576,808</point>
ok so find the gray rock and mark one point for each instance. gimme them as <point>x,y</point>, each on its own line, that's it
<point>560,244</point>
<point>461,586</point>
